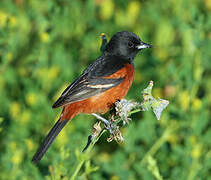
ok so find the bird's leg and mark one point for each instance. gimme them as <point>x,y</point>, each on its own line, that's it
<point>108,124</point>
<point>112,127</point>
<point>105,121</point>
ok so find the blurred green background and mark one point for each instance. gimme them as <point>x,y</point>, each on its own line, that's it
<point>45,45</point>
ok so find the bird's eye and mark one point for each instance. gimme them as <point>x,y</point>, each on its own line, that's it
<point>130,44</point>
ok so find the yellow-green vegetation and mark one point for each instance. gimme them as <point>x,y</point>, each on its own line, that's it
<point>44,45</point>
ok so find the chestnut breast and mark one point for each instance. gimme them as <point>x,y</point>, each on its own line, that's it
<point>104,101</point>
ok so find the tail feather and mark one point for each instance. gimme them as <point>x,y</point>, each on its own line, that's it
<point>48,140</point>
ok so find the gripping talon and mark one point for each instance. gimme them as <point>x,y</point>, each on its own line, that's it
<point>108,124</point>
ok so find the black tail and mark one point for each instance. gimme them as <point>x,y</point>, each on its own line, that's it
<point>48,140</point>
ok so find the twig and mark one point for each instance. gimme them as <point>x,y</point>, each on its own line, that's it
<point>83,157</point>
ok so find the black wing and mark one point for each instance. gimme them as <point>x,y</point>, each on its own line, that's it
<point>105,66</point>
<point>91,82</point>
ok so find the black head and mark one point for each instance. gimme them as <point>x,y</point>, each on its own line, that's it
<point>125,44</point>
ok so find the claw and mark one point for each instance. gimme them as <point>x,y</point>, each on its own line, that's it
<point>107,123</point>
<point>112,127</point>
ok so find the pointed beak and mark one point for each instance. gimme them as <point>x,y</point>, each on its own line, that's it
<point>143,46</point>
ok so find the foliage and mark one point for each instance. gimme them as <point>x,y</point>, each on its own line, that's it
<point>45,45</point>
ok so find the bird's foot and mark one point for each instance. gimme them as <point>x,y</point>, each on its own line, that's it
<point>108,124</point>
<point>112,127</point>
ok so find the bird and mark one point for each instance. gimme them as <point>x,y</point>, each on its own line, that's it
<point>100,85</point>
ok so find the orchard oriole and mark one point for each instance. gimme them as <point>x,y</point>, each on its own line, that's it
<point>101,84</point>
